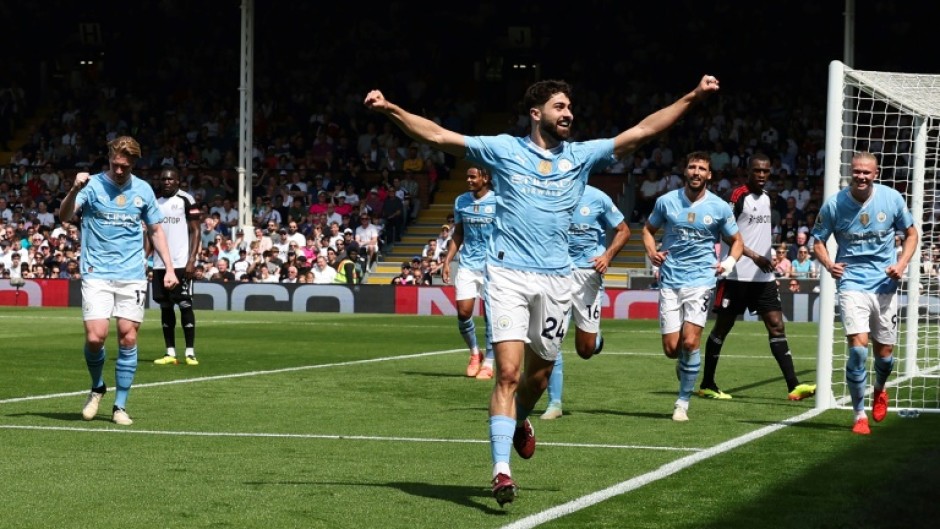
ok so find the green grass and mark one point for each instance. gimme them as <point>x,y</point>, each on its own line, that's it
<point>365,421</point>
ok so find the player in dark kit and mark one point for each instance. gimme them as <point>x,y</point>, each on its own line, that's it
<point>181,225</point>
<point>752,286</point>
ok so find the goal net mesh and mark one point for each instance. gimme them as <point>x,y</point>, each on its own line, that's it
<point>895,116</point>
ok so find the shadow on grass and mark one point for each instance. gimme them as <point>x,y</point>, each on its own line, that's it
<point>478,498</point>
<point>888,480</point>
<point>59,416</point>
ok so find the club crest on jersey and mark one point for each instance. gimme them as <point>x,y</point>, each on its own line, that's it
<point>585,211</point>
<point>708,220</point>
<point>864,219</point>
<point>565,165</point>
<point>545,167</point>
<point>120,201</point>
<point>881,216</point>
<point>138,202</point>
<point>690,218</point>
<point>487,209</point>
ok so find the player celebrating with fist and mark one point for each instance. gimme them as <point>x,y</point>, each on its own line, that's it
<point>113,205</point>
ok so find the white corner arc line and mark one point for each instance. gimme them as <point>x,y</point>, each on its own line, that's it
<point>238,375</point>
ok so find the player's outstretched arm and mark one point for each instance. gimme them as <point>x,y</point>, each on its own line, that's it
<point>418,127</point>
<point>657,122</point>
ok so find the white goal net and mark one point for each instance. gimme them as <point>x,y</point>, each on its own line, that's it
<point>896,116</point>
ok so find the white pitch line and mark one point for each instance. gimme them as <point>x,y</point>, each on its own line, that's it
<point>238,375</point>
<point>670,468</point>
<point>330,437</point>
<point>662,472</point>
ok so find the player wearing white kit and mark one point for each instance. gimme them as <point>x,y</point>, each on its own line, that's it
<point>587,246</point>
<point>474,221</point>
<point>538,182</point>
<point>113,205</point>
<point>181,225</point>
<point>864,218</point>
<point>752,286</point>
<point>694,220</point>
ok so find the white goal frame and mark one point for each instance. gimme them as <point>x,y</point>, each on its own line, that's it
<point>908,107</point>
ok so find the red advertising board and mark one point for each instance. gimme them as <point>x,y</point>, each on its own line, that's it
<point>35,293</point>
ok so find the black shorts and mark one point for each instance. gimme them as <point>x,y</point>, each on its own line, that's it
<point>737,296</point>
<point>182,292</point>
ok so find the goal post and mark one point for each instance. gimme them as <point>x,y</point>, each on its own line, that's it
<point>895,116</point>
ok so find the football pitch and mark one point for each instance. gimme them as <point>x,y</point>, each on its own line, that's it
<point>366,421</point>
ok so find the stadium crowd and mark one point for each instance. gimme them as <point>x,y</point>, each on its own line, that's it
<point>321,163</point>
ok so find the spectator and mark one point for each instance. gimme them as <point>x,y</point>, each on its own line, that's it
<point>405,277</point>
<point>322,272</point>
<point>350,269</point>
<point>794,286</point>
<point>242,266</point>
<point>781,262</point>
<point>394,213</point>
<point>367,236</point>
<point>803,267</point>
<point>442,240</point>
<point>801,241</point>
<point>291,276</point>
<point>222,272</point>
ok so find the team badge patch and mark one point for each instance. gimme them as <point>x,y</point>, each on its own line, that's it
<point>487,209</point>
<point>545,167</point>
<point>585,211</point>
<point>138,202</point>
<point>120,201</point>
<point>565,165</point>
<point>690,218</point>
<point>504,322</point>
<point>881,216</point>
<point>708,220</point>
<point>864,219</point>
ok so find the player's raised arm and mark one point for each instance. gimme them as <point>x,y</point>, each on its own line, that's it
<point>657,122</point>
<point>418,127</point>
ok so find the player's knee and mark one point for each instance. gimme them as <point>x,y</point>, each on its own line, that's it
<point>671,352</point>
<point>689,345</point>
<point>185,304</point>
<point>858,356</point>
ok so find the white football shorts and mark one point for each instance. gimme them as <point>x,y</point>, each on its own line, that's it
<point>866,312</point>
<point>587,289</point>
<point>103,299</point>
<point>468,284</point>
<point>680,305</point>
<point>530,307</point>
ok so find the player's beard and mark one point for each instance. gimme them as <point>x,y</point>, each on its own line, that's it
<point>552,131</point>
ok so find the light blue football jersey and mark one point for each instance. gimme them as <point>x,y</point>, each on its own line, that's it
<point>587,235</point>
<point>691,232</point>
<point>112,234</point>
<point>865,235</point>
<point>537,191</point>
<point>478,218</point>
